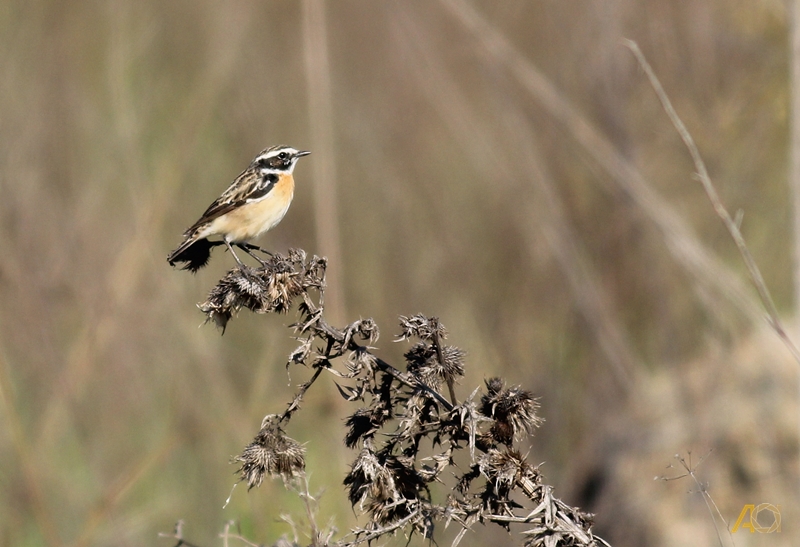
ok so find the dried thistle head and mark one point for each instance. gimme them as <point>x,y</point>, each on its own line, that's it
<point>422,360</point>
<point>239,288</point>
<point>360,361</point>
<point>271,288</point>
<point>513,411</point>
<point>281,288</point>
<point>364,329</point>
<point>271,452</point>
<point>505,469</point>
<point>388,486</point>
<point>422,327</point>
<point>365,422</point>
<point>369,480</point>
<point>504,472</point>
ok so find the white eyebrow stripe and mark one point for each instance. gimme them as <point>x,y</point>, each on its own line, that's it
<point>276,152</point>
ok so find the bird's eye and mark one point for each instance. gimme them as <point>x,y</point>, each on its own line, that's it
<point>283,155</point>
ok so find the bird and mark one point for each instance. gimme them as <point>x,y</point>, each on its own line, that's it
<point>256,201</point>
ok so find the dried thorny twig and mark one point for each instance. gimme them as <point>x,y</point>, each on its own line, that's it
<point>408,435</point>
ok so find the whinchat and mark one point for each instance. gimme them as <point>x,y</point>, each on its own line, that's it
<point>255,202</point>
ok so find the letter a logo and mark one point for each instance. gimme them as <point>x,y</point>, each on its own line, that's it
<point>747,524</point>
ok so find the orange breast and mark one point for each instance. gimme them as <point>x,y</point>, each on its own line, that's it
<point>254,218</point>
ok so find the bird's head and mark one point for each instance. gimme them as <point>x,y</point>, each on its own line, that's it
<point>278,159</point>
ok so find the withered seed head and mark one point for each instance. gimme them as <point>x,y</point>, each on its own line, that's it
<point>422,360</point>
<point>513,410</point>
<point>271,452</point>
<point>424,328</point>
<point>271,288</point>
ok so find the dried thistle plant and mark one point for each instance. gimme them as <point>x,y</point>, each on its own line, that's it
<point>407,434</point>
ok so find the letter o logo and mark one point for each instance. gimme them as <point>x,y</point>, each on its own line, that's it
<point>776,513</point>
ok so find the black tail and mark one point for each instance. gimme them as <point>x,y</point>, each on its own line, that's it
<point>195,253</point>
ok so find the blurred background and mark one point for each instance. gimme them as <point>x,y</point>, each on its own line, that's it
<point>504,166</point>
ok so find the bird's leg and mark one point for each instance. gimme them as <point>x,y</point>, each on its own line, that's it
<point>239,262</point>
<point>254,248</point>
<point>246,247</point>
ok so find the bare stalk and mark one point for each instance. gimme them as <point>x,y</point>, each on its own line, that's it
<point>730,224</point>
<point>700,261</point>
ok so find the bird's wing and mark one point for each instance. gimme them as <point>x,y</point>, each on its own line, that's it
<point>246,187</point>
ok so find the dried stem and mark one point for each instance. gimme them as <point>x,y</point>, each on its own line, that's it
<point>702,488</point>
<point>730,224</point>
<point>438,345</point>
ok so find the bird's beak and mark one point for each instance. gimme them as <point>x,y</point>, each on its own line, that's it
<point>302,153</point>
